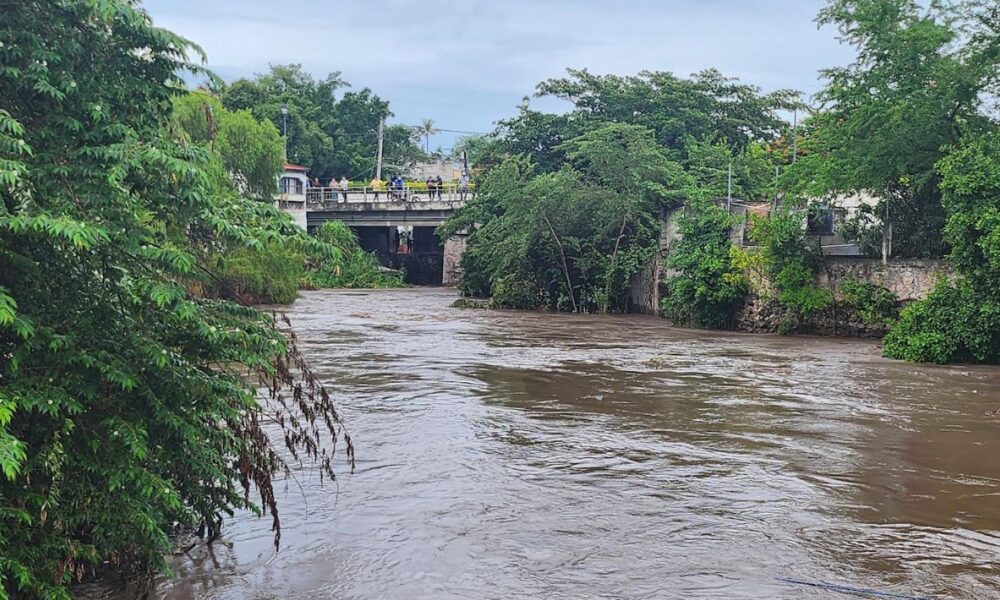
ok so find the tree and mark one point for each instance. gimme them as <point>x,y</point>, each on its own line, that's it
<point>426,130</point>
<point>675,109</point>
<point>129,404</point>
<point>571,239</point>
<point>713,164</point>
<point>917,87</point>
<point>331,137</point>
<point>960,320</point>
<point>477,149</point>
<point>251,151</point>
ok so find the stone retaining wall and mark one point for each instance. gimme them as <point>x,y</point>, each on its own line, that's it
<point>909,280</point>
<point>454,247</point>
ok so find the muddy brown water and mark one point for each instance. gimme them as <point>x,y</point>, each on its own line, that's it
<point>523,455</point>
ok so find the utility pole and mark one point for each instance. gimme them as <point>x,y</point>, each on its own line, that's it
<point>378,155</point>
<point>729,189</point>
<point>777,174</point>
<point>284,126</point>
<point>886,235</point>
<point>795,134</point>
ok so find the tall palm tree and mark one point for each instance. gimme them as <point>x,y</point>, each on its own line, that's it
<point>426,130</point>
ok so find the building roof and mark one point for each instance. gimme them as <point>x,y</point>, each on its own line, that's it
<point>291,167</point>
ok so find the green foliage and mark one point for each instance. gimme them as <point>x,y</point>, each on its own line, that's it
<point>128,405</point>
<point>918,86</point>
<point>270,275</point>
<point>708,106</point>
<point>874,304</point>
<point>251,152</point>
<point>709,161</point>
<point>331,137</point>
<point>971,183</point>
<point>791,265</point>
<point>478,149</point>
<point>571,239</point>
<point>955,323</point>
<point>960,321</point>
<point>709,288</point>
<point>352,267</point>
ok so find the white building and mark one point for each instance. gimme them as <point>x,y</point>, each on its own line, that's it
<point>447,170</point>
<point>292,193</point>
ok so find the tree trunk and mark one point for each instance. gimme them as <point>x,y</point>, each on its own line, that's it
<point>565,266</point>
<point>614,262</point>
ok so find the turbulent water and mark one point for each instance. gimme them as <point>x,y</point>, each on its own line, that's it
<point>525,455</point>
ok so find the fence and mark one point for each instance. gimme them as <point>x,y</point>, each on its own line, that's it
<point>448,193</point>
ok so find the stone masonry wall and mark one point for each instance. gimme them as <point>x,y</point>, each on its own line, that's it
<point>909,280</point>
<point>454,247</point>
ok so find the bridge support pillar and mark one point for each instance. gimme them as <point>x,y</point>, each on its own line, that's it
<point>454,247</point>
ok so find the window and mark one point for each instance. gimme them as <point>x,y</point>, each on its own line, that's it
<point>820,220</point>
<point>290,185</point>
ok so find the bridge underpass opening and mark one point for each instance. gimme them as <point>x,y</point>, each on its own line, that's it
<point>415,250</point>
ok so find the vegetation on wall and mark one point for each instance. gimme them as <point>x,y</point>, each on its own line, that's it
<point>791,266</point>
<point>709,288</point>
<point>129,406</point>
<point>874,304</point>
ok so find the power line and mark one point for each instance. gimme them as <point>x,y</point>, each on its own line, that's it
<point>438,130</point>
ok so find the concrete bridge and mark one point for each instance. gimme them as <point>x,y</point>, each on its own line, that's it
<point>398,226</point>
<point>358,212</point>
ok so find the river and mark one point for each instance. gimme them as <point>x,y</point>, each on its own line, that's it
<point>529,455</point>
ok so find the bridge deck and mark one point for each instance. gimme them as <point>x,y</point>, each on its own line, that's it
<point>424,213</point>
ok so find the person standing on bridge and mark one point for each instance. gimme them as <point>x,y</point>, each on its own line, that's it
<point>438,186</point>
<point>376,186</point>
<point>397,184</point>
<point>463,186</point>
<point>344,185</point>
<point>430,187</point>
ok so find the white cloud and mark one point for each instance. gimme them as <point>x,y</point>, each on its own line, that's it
<point>475,58</point>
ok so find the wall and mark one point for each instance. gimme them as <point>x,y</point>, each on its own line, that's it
<point>298,214</point>
<point>909,280</point>
<point>644,291</point>
<point>454,247</point>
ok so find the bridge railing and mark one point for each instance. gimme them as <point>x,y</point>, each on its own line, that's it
<point>449,193</point>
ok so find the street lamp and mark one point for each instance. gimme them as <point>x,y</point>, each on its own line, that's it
<point>284,126</point>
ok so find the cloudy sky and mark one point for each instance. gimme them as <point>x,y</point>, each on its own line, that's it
<point>468,63</point>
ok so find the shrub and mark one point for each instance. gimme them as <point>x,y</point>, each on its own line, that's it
<point>267,276</point>
<point>876,305</point>
<point>352,267</point>
<point>709,288</point>
<point>512,292</point>
<point>791,265</point>
<point>955,323</point>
